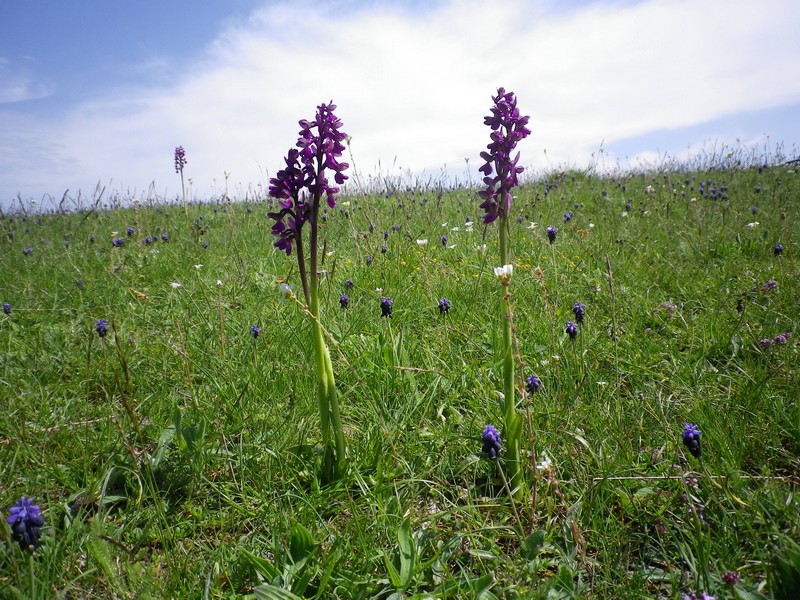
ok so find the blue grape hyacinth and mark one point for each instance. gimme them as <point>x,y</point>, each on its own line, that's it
<point>26,521</point>
<point>444,306</point>
<point>491,442</point>
<point>533,383</point>
<point>386,306</point>
<point>344,300</point>
<point>102,327</point>
<point>571,330</point>
<point>691,439</point>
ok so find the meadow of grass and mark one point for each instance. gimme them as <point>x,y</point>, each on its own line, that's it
<point>176,457</point>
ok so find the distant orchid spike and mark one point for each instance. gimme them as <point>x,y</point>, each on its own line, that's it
<point>180,159</point>
<point>500,171</point>
<point>300,186</point>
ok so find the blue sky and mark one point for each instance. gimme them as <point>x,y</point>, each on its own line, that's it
<point>101,92</point>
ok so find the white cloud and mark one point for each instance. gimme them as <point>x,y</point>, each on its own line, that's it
<point>412,89</point>
<point>18,85</point>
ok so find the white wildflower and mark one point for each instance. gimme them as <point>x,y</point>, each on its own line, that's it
<point>175,285</point>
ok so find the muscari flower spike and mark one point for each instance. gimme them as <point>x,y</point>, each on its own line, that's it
<point>691,439</point>
<point>491,442</point>
<point>6,308</point>
<point>778,249</point>
<point>571,330</point>
<point>102,327</point>
<point>255,330</point>
<point>444,306</point>
<point>551,233</point>
<point>386,306</point>
<point>26,521</point>
<point>579,310</point>
<point>501,171</point>
<point>533,383</point>
<point>344,300</point>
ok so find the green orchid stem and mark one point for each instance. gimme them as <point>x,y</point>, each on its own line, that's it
<point>511,419</point>
<point>330,422</point>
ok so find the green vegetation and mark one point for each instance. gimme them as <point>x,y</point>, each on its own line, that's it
<point>177,456</point>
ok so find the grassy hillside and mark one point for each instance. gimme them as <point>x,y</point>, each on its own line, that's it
<point>176,456</point>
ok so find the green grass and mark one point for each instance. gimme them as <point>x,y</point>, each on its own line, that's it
<point>177,457</point>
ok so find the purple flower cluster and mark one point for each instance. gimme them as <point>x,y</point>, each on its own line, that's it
<point>501,170</point>
<point>444,306</point>
<point>579,310</point>
<point>386,306</point>
<point>255,330</point>
<point>571,330</point>
<point>6,308</point>
<point>118,242</point>
<point>102,327</point>
<point>491,442</point>
<point>180,159</point>
<point>700,596</point>
<point>769,285</point>
<point>318,148</point>
<point>781,340</point>
<point>691,439</point>
<point>532,383</point>
<point>344,300</point>
<point>778,249</point>
<point>26,523</point>
<point>552,231</point>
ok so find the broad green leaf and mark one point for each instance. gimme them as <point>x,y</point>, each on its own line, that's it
<point>271,592</point>
<point>262,566</point>
<point>301,543</point>
<point>408,555</point>
<point>532,544</point>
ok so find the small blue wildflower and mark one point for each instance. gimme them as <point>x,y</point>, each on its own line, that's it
<point>551,233</point>
<point>386,234</point>
<point>27,251</point>
<point>130,231</point>
<point>386,306</point>
<point>118,242</point>
<point>369,260</point>
<point>571,330</point>
<point>91,239</point>
<point>26,523</point>
<point>102,327</point>
<point>491,442</point>
<point>444,306</point>
<point>533,383</point>
<point>148,240</point>
<point>567,216</point>
<point>349,283</point>
<point>255,330</point>
<point>579,310</point>
<point>691,439</point>
<point>344,300</point>
<point>383,248</point>
<point>6,308</point>
<point>782,338</point>
<point>443,239</point>
<point>778,249</point>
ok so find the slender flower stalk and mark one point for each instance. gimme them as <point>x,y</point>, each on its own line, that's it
<point>180,162</point>
<point>500,175</point>
<point>299,189</point>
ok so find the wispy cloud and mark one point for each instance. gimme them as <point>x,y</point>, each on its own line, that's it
<point>18,85</point>
<point>412,87</point>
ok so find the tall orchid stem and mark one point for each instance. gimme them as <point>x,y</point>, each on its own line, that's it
<point>511,419</point>
<point>330,422</point>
